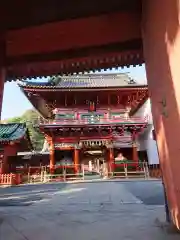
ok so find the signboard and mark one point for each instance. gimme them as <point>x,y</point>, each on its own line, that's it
<point>64,145</point>
<point>94,143</point>
<point>85,143</point>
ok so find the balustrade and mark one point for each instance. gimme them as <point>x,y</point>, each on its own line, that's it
<point>88,120</point>
<point>10,179</point>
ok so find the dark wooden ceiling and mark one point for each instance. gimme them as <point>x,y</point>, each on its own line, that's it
<point>109,42</point>
<point>16,14</point>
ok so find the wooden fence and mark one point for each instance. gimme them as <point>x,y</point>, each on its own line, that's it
<point>124,170</point>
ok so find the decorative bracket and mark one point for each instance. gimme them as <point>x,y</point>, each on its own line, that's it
<point>164,111</point>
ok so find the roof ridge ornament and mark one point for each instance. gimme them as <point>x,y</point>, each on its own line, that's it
<point>54,80</point>
<point>132,81</point>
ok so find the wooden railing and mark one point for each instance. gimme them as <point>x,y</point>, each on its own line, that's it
<point>122,170</point>
<point>94,121</point>
<point>10,179</point>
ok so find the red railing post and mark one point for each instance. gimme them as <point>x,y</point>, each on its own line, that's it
<point>10,179</point>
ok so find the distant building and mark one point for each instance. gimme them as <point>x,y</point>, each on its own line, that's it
<point>92,112</point>
<point>14,137</point>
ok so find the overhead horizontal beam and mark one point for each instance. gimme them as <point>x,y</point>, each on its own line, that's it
<point>135,44</point>
<point>72,34</point>
<point>16,14</point>
<point>75,65</point>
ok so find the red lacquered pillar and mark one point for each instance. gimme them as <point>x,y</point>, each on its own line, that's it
<point>52,158</point>
<point>76,160</point>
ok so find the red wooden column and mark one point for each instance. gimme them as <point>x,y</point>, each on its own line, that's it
<point>134,149</point>
<point>135,156</point>
<point>52,157</point>
<point>111,159</point>
<point>2,81</point>
<point>161,40</point>
<point>76,160</point>
<point>2,64</point>
<point>135,153</point>
<point>9,150</point>
<point>3,165</point>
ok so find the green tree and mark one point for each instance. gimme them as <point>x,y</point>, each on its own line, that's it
<point>31,118</point>
<point>14,120</point>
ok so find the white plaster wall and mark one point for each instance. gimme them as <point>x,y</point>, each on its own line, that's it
<point>142,145</point>
<point>45,146</point>
<point>146,141</point>
<point>145,110</point>
<point>152,152</point>
<point>151,147</point>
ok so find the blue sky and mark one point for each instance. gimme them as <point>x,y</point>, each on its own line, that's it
<point>15,103</point>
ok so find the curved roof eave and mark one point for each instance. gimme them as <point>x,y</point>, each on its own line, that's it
<point>12,132</point>
<point>38,105</point>
<point>84,82</point>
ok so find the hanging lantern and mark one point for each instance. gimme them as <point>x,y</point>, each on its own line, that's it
<point>91,106</point>
<point>11,143</point>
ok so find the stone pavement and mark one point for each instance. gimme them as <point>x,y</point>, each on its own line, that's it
<point>86,211</point>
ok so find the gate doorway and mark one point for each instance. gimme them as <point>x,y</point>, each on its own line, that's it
<point>93,161</point>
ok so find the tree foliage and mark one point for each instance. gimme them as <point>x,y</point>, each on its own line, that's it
<point>31,118</point>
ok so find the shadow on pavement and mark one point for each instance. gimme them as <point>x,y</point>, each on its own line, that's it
<point>29,194</point>
<point>150,193</point>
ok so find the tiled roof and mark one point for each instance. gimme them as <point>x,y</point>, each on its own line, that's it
<point>12,131</point>
<point>85,81</point>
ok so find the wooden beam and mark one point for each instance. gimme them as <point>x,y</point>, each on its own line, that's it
<point>75,33</point>
<point>78,64</point>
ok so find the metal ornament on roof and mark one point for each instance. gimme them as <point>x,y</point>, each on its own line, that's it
<point>54,80</point>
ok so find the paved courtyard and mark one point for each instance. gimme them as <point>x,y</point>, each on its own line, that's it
<point>89,211</point>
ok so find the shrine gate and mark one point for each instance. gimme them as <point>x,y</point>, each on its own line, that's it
<point>41,38</point>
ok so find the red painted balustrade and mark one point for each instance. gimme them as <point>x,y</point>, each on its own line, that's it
<point>133,164</point>
<point>87,121</point>
<point>10,179</point>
